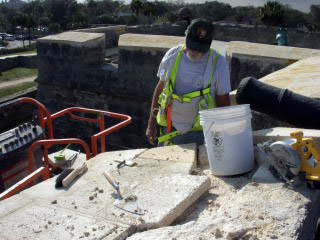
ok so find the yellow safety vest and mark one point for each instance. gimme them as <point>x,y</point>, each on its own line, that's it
<point>165,98</point>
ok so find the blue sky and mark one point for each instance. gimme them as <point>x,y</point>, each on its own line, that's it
<point>302,5</point>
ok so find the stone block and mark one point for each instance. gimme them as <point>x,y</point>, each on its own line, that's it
<point>162,200</point>
<point>175,153</point>
<point>42,222</point>
<point>73,48</point>
<point>258,60</point>
<point>302,77</point>
<point>237,207</point>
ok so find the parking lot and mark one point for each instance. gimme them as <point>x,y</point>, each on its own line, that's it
<point>18,43</point>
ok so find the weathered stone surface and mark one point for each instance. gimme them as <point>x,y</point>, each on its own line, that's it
<point>302,77</point>
<point>76,39</point>
<point>258,60</point>
<point>280,133</point>
<point>86,208</point>
<point>176,153</point>
<point>237,206</point>
<point>43,222</point>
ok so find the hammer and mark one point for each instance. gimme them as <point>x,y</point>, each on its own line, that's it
<point>114,184</point>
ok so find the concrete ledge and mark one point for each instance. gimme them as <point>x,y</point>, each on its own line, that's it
<point>78,39</point>
<point>302,77</point>
<point>258,60</point>
<point>161,43</point>
<point>280,133</point>
<point>257,50</point>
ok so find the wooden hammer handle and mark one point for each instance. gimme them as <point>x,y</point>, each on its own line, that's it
<point>76,172</point>
<point>110,180</point>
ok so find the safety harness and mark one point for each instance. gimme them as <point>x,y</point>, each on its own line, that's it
<point>168,94</point>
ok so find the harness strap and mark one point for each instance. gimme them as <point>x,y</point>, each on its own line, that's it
<point>169,122</point>
<point>187,97</point>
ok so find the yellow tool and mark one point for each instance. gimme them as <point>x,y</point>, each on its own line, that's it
<point>299,154</point>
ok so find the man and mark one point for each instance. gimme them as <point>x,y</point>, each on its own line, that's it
<point>192,77</point>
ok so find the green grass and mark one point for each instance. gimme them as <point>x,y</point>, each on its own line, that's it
<point>17,73</point>
<point>17,88</point>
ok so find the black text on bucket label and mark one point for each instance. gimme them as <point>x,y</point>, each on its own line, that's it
<point>217,145</point>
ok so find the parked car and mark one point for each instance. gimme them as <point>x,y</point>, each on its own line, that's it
<point>9,37</point>
<point>2,36</point>
<point>20,37</point>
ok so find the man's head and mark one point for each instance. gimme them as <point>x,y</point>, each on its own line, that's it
<point>199,35</point>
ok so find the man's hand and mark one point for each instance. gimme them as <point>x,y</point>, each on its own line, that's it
<point>151,133</point>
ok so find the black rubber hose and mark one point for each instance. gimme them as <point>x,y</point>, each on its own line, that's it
<point>281,104</point>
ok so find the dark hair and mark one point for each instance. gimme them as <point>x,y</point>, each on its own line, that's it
<point>199,35</point>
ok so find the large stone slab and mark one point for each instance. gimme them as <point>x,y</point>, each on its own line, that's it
<point>76,39</point>
<point>302,77</point>
<point>258,60</point>
<point>147,42</point>
<point>44,222</point>
<point>85,209</point>
<point>162,200</point>
<point>237,208</point>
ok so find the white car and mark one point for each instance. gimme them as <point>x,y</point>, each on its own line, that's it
<point>9,37</point>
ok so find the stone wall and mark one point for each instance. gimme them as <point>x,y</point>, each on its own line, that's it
<point>266,35</point>
<point>72,72</point>
<point>159,29</point>
<point>27,61</point>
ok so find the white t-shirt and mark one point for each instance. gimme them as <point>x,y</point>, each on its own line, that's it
<point>193,76</point>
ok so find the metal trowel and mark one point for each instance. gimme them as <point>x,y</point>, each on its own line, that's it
<point>128,204</point>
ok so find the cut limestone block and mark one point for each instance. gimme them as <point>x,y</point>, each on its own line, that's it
<point>185,153</point>
<point>43,222</point>
<point>12,204</point>
<point>162,200</point>
<point>302,77</point>
<point>281,133</point>
<point>237,208</point>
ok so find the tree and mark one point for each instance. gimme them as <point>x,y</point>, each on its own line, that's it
<point>315,15</point>
<point>25,21</point>
<point>136,6</point>
<point>272,13</point>
<point>149,9</point>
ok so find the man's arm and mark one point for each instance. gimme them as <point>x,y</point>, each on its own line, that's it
<point>151,131</point>
<point>223,100</point>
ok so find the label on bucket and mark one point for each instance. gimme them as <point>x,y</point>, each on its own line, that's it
<point>217,145</point>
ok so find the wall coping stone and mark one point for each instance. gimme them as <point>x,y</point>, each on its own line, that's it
<point>259,50</point>
<point>117,29</point>
<point>76,39</point>
<point>130,41</point>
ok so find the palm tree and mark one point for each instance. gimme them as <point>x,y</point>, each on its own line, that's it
<point>272,13</point>
<point>136,6</point>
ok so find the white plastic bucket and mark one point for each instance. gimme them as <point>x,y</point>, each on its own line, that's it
<point>228,138</point>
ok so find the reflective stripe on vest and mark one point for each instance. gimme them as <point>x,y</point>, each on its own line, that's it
<point>169,95</point>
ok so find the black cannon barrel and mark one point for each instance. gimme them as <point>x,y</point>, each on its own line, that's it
<point>281,104</point>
